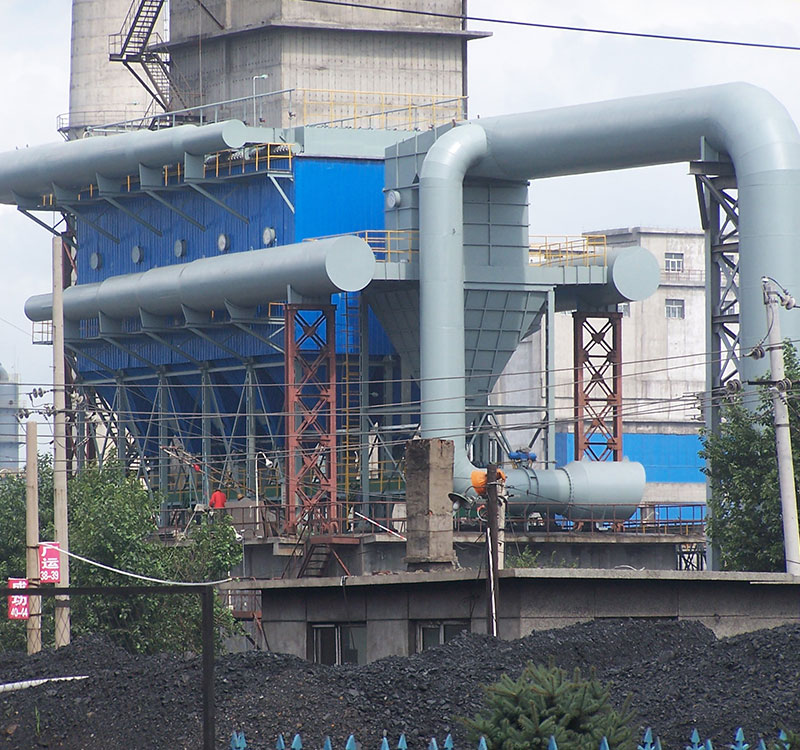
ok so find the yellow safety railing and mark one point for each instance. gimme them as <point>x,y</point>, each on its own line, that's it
<point>559,250</point>
<point>377,109</point>
<point>389,245</point>
<point>264,157</point>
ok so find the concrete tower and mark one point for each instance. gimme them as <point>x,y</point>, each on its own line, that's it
<point>9,427</point>
<point>100,91</point>
<point>331,63</point>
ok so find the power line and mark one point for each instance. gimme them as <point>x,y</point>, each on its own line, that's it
<point>558,27</point>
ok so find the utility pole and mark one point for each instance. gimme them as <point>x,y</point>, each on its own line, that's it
<point>775,295</point>
<point>60,520</point>
<point>34,624</point>
<point>492,578</point>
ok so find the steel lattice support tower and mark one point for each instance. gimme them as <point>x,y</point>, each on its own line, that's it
<point>598,385</point>
<point>311,417</point>
<point>719,214</point>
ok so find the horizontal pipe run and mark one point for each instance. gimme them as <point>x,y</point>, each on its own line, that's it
<point>245,279</point>
<point>29,173</point>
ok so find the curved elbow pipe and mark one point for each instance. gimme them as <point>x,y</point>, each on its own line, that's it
<point>441,285</point>
<point>740,120</point>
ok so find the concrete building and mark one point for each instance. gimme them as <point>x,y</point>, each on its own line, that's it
<point>358,620</point>
<point>663,373</point>
<point>284,63</point>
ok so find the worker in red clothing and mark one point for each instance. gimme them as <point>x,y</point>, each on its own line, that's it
<point>218,499</point>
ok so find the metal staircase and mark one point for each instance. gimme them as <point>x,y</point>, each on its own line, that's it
<point>318,553</point>
<point>137,44</point>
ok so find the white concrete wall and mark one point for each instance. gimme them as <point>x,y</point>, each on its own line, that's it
<point>100,91</point>
<point>307,46</point>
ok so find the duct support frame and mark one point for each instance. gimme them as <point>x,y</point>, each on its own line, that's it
<point>311,418</point>
<point>598,385</point>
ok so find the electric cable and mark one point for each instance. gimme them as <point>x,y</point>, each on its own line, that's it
<point>129,574</point>
<point>558,27</point>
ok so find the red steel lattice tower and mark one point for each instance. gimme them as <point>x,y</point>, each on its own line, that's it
<point>311,418</point>
<point>598,386</point>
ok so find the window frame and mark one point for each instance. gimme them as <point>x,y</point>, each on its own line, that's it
<point>420,625</point>
<point>675,308</point>
<point>315,645</point>
<point>674,262</point>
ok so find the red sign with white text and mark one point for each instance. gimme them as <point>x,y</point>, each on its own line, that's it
<point>49,562</point>
<point>18,603</point>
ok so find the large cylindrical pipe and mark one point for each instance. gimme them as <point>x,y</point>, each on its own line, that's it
<point>581,490</point>
<point>632,274</point>
<point>75,165</point>
<point>247,279</point>
<point>738,119</point>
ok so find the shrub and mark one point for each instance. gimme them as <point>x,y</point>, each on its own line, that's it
<point>523,714</point>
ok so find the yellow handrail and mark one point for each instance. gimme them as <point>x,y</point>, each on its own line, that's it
<point>555,250</point>
<point>388,245</point>
<point>391,108</point>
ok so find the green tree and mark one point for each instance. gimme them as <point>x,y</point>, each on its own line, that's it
<point>745,509</point>
<point>113,522</point>
<point>545,701</point>
<point>12,542</point>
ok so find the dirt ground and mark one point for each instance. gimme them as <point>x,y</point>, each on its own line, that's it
<point>678,674</point>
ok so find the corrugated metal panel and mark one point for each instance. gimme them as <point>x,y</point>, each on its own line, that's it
<point>334,196</point>
<point>254,197</point>
<point>666,458</point>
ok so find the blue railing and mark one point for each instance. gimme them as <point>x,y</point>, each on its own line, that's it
<point>649,742</point>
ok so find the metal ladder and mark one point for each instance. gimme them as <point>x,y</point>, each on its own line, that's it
<point>130,46</point>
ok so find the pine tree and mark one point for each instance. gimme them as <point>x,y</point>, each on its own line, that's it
<point>523,714</point>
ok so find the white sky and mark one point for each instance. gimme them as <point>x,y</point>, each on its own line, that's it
<point>517,70</point>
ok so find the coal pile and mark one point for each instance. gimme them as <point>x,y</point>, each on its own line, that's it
<point>678,674</point>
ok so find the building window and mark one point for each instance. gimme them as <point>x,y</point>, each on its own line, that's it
<point>673,263</point>
<point>625,309</point>
<point>340,643</point>
<point>675,308</point>
<point>432,633</point>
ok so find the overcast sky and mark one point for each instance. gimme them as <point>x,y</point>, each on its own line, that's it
<point>517,70</point>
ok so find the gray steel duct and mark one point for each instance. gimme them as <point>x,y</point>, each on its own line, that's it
<point>247,279</point>
<point>30,173</point>
<point>632,274</point>
<point>740,120</point>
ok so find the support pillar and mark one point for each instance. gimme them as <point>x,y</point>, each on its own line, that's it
<point>429,481</point>
<point>205,441</point>
<point>311,417</point>
<point>598,386</point>
<point>250,423</point>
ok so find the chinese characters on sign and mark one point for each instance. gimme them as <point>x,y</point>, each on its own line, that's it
<point>18,603</point>
<point>49,562</point>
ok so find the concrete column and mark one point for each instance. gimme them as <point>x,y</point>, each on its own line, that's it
<point>429,479</point>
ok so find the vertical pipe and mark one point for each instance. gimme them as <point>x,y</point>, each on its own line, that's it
<point>163,436</point>
<point>34,624</point>
<point>363,384</point>
<point>549,381</point>
<point>60,519</point>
